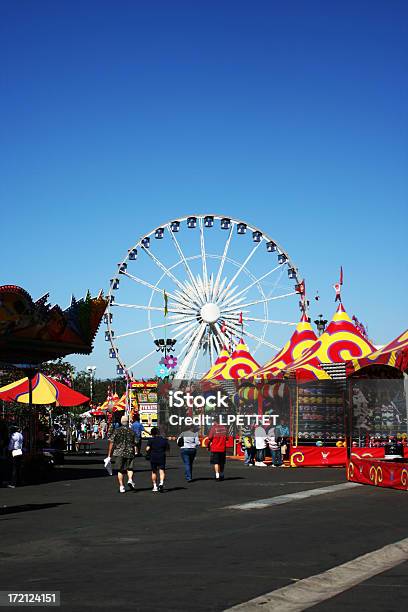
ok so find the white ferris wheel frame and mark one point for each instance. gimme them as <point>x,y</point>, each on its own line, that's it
<point>183,328</point>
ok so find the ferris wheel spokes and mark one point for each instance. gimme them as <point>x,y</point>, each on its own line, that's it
<point>222,263</point>
<point>193,288</point>
<point>163,268</point>
<point>148,329</point>
<point>238,272</point>
<point>256,281</point>
<point>269,299</point>
<point>194,341</point>
<point>152,287</point>
<point>204,260</point>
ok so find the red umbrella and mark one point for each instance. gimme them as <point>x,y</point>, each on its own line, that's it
<point>43,390</point>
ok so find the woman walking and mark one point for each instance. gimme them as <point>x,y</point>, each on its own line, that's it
<point>188,442</point>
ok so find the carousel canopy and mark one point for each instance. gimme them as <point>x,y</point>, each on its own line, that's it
<point>239,364</point>
<point>394,354</point>
<point>32,332</point>
<point>218,364</point>
<point>340,342</point>
<point>301,340</point>
<point>45,390</point>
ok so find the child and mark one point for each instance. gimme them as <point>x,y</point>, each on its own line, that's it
<point>156,451</point>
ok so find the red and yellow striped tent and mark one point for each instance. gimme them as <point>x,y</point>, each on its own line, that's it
<point>120,404</point>
<point>238,365</point>
<point>301,340</point>
<point>341,342</point>
<point>218,364</point>
<point>393,354</point>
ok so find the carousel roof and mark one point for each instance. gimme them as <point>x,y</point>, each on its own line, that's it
<point>32,332</point>
<point>340,342</point>
<point>394,354</point>
<point>240,364</point>
<point>301,340</point>
<point>218,364</point>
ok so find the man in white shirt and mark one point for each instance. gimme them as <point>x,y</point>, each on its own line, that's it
<point>188,442</point>
<point>260,445</point>
<point>16,448</point>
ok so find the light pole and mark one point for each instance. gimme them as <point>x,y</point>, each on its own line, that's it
<point>91,372</point>
<point>320,324</point>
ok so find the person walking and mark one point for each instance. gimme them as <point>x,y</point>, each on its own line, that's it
<point>247,444</point>
<point>156,451</point>
<point>16,449</point>
<point>217,445</point>
<point>188,442</point>
<point>122,448</point>
<point>274,447</point>
<point>138,430</point>
<point>260,445</point>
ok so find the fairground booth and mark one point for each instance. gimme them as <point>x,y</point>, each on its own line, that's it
<point>311,384</point>
<point>377,452</point>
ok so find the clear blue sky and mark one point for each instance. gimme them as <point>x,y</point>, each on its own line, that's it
<point>116,116</point>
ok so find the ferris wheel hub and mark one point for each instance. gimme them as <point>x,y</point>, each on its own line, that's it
<point>210,312</point>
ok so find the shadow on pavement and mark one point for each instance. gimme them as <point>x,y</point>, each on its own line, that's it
<point>29,507</point>
<point>224,480</point>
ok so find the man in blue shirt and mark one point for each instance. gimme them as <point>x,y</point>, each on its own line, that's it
<point>137,429</point>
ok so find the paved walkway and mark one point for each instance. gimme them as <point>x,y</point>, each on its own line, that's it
<point>187,549</point>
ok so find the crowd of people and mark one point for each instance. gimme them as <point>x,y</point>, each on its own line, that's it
<point>125,445</point>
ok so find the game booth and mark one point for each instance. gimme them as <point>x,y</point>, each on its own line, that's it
<point>377,417</point>
<point>315,380</point>
<point>144,401</point>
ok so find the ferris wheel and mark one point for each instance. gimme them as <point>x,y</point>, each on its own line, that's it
<point>193,286</point>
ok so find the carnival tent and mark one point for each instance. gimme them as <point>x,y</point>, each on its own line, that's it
<point>218,364</point>
<point>109,402</point>
<point>239,364</point>
<point>340,342</point>
<point>120,404</point>
<point>301,340</point>
<point>44,390</point>
<point>393,354</point>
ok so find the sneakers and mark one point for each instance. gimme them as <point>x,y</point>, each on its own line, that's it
<point>155,489</point>
<point>122,489</point>
<point>161,488</point>
<point>11,486</point>
<point>131,485</point>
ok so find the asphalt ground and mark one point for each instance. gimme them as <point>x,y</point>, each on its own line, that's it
<point>184,549</point>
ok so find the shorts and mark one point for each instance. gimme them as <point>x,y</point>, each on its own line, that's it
<point>123,464</point>
<point>158,465</point>
<point>217,458</point>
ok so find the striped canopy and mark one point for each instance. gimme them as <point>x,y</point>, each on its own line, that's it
<point>240,364</point>
<point>301,340</point>
<point>394,354</point>
<point>45,390</point>
<point>340,342</point>
<point>218,364</point>
<point>120,404</point>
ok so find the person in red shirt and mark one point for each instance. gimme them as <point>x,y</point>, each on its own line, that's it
<point>217,446</point>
